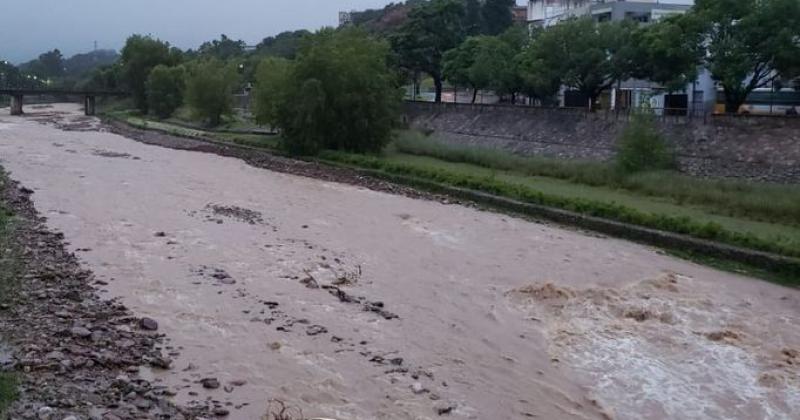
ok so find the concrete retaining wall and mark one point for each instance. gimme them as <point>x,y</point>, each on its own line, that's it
<point>759,148</point>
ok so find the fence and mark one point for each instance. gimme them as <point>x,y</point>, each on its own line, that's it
<point>673,115</point>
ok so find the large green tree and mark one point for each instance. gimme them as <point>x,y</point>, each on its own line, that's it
<point>223,48</point>
<point>538,80</point>
<point>482,62</point>
<point>589,57</point>
<point>338,94</point>
<point>473,19</point>
<point>432,29</point>
<point>165,87</point>
<point>497,16</point>
<point>750,43</point>
<point>10,76</point>
<point>209,90</point>
<point>139,56</point>
<point>273,78</point>
<point>457,65</point>
<point>669,52</point>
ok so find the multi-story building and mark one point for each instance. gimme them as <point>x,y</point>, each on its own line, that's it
<point>550,12</point>
<point>519,15</point>
<point>345,18</point>
<point>698,97</point>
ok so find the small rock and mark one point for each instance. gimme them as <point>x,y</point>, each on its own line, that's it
<point>238,382</point>
<point>210,383</point>
<point>148,324</point>
<point>160,234</point>
<point>45,413</point>
<point>80,332</point>
<point>417,388</point>
<point>442,410</point>
<point>142,403</point>
<point>316,330</point>
<point>161,362</point>
<point>221,411</point>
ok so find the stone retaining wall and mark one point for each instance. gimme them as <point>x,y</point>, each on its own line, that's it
<point>753,147</point>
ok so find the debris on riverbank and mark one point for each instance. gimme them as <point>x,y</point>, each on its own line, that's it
<point>75,354</point>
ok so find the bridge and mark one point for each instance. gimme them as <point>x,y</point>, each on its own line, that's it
<point>89,97</point>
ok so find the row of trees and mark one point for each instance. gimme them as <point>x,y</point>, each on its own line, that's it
<point>745,44</point>
<point>53,69</point>
<point>162,78</point>
<point>437,26</point>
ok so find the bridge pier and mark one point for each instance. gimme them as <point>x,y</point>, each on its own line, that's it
<point>16,104</point>
<point>89,107</point>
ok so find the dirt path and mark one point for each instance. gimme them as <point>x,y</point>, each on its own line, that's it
<point>356,304</point>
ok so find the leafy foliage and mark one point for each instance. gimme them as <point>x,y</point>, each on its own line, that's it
<point>273,76</point>
<point>497,16</point>
<point>750,43</point>
<point>224,48</point>
<point>432,29</point>
<point>641,147</point>
<point>669,52</point>
<point>285,44</point>
<point>139,56</point>
<point>588,57</point>
<point>481,62</point>
<point>165,87</point>
<point>209,90</point>
<point>338,94</point>
<point>48,65</point>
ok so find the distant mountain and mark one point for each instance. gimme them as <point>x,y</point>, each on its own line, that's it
<point>81,64</point>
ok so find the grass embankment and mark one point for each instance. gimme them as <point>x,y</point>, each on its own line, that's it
<point>757,216</point>
<point>754,201</point>
<point>243,139</point>
<point>9,271</point>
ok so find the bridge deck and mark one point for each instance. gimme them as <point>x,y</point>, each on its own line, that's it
<point>27,92</point>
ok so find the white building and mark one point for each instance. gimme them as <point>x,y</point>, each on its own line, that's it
<point>550,12</point>
<point>699,96</point>
<point>345,18</point>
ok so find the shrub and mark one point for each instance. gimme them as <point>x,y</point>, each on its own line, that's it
<point>338,94</point>
<point>641,148</point>
<point>165,87</point>
<point>209,90</point>
<point>272,78</point>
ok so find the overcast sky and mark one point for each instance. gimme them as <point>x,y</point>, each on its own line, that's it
<point>30,27</point>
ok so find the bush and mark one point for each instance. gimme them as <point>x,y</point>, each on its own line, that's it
<point>338,94</point>
<point>209,90</point>
<point>640,147</point>
<point>272,76</point>
<point>165,87</point>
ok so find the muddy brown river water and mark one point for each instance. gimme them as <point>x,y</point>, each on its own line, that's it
<point>284,287</point>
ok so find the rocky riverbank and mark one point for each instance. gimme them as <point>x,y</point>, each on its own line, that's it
<point>75,354</point>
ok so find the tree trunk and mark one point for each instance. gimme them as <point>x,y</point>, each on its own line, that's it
<point>592,101</point>
<point>734,100</point>
<point>474,95</point>
<point>437,82</point>
<point>513,98</point>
